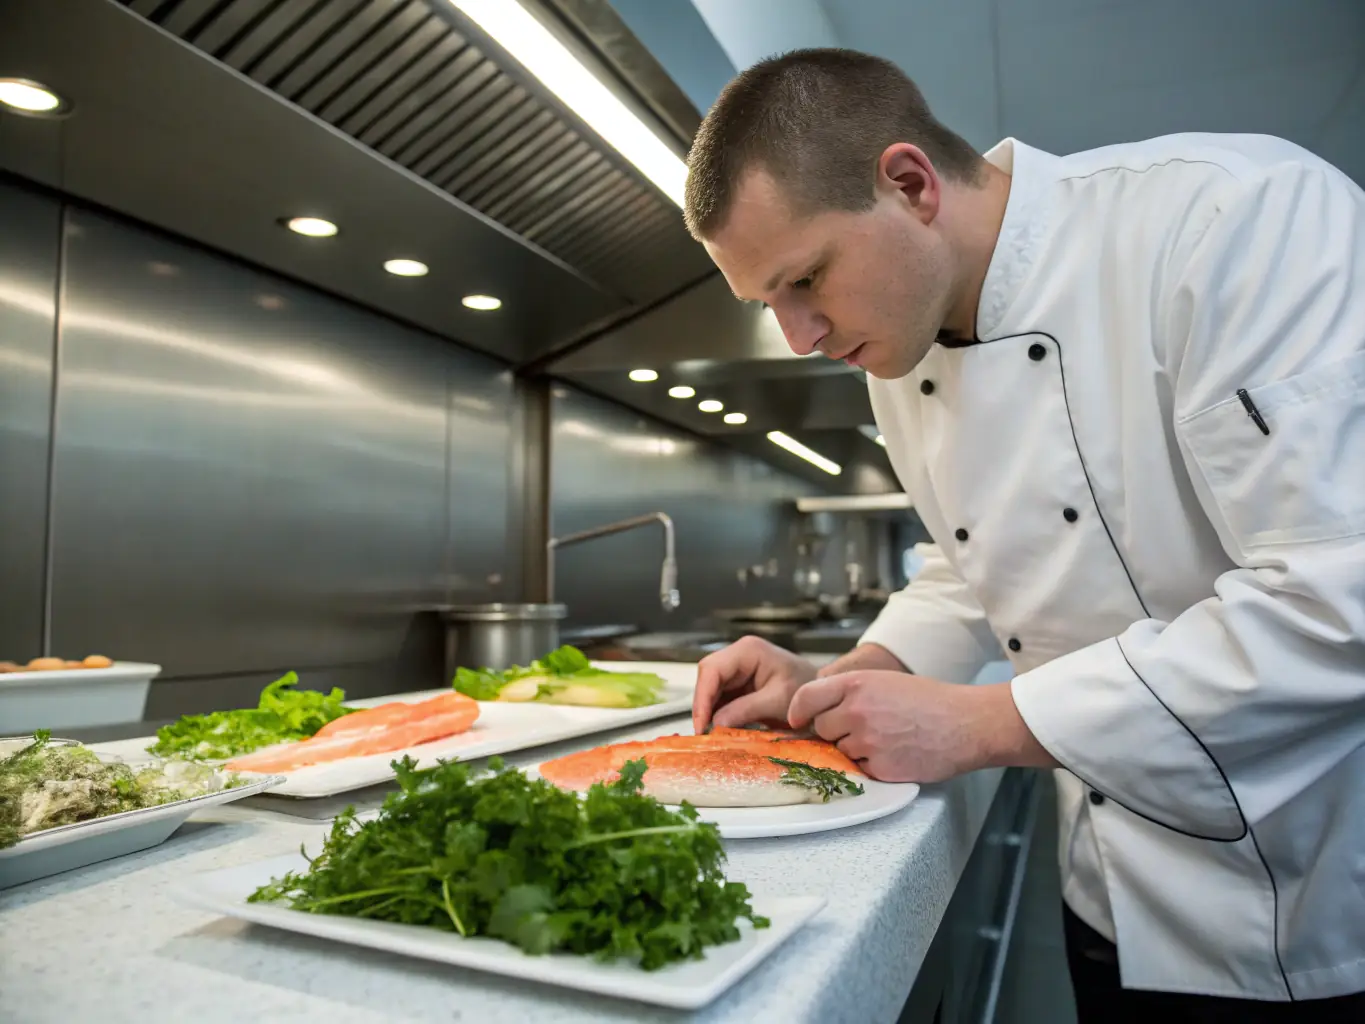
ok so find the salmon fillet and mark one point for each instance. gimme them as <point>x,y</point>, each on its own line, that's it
<point>378,730</point>
<point>706,771</point>
<point>814,752</point>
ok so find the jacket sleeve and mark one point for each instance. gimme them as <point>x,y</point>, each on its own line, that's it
<point>1208,723</point>
<point>935,626</point>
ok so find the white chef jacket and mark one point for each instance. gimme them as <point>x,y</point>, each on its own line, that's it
<point>1180,593</point>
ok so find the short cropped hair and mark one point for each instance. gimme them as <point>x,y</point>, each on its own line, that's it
<point>817,121</point>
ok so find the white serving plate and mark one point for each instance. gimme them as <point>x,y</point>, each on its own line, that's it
<point>501,729</point>
<point>75,698</point>
<point>878,800</point>
<point>66,847</point>
<point>688,985</point>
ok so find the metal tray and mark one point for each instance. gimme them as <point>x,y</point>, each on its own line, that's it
<point>66,847</point>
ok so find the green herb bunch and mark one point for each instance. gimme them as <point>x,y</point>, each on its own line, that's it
<point>612,874</point>
<point>282,714</point>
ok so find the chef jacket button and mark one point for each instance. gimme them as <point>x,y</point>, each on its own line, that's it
<point>1096,798</point>
<point>1014,644</point>
<point>1070,515</point>
<point>961,534</point>
<point>1036,352</point>
<point>926,387</point>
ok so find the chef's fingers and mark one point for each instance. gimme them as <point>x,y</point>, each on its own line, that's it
<point>833,725</point>
<point>855,748</point>
<point>731,668</point>
<point>762,705</point>
<point>815,698</point>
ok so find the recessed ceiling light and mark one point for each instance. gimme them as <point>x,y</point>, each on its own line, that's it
<point>483,303</point>
<point>313,227</point>
<point>644,376</point>
<point>27,97</point>
<point>798,449</point>
<point>736,418</point>
<point>406,268</point>
<point>710,405</point>
<point>681,391</point>
<point>537,49</point>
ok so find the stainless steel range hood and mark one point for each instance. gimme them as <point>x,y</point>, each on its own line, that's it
<point>398,120</point>
<point>215,118</point>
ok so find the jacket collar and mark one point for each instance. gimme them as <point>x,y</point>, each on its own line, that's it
<point>1022,233</point>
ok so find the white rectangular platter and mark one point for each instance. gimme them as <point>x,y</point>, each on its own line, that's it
<point>501,729</point>
<point>67,847</point>
<point>687,985</point>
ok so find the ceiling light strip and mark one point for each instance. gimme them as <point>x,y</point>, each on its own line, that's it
<point>798,449</point>
<point>535,47</point>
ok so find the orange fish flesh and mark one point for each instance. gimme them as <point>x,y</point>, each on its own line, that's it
<point>379,730</point>
<point>726,770</point>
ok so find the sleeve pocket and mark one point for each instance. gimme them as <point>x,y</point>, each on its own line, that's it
<point>1306,480</point>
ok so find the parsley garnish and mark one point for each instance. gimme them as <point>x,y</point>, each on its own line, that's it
<point>613,874</point>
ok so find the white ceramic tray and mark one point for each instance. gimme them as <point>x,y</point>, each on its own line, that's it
<point>878,800</point>
<point>501,729</point>
<point>75,698</point>
<point>687,985</point>
<point>66,847</point>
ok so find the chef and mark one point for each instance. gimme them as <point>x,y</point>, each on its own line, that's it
<point>1125,391</point>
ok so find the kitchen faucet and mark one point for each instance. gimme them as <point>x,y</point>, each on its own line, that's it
<point>668,578</point>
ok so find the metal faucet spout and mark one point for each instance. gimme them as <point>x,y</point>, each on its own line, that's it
<point>668,577</point>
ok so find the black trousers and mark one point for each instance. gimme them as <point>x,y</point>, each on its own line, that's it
<point>1100,999</point>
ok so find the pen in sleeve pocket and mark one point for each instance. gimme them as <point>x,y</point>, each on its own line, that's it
<point>1253,412</point>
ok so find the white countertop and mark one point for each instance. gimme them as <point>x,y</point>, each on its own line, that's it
<point>110,943</point>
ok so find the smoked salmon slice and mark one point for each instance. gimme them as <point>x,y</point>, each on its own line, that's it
<point>378,730</point>
<point>726,770</point>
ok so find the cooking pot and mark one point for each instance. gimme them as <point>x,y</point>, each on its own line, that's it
<point>498,636</point>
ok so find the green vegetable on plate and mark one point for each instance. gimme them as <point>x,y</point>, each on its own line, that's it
<point>825,781</point>
<point>564,676</point>
<point>283,714</point>
<point>43,785</point>
<point>612,874</point>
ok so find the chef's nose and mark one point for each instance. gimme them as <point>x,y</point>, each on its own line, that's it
<point>804,329</point>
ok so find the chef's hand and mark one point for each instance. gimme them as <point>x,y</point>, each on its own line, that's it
<point>753,680</point>
<point>906,728</point>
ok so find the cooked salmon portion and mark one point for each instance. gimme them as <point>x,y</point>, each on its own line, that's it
<point>816,753</point>
<point>380,730</point>
<point>706,771</point>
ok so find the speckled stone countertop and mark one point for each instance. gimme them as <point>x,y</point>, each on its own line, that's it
<point>110,943</point>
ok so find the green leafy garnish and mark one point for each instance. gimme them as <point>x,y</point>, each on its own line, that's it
<point>613,875</point>
<point>283,714</point>
<point>564,676</point>
<point>43,786</point>
<point>825,781</point>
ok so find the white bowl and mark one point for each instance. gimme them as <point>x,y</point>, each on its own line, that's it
<point>75,698</point>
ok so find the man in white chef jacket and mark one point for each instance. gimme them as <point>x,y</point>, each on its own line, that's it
<point>1125,390</point>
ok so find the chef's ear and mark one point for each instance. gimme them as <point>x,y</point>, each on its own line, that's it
<point>905,171</point>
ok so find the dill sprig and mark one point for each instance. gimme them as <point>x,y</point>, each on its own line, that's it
<point>825,781</point>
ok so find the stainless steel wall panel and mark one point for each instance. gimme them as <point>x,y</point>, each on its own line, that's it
<point>29,244</point>
<point>479,545</point>
<point>249,476</point>
<point>731,511</point>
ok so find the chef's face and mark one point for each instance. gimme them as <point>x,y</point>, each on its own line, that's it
<point>869,287</point>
